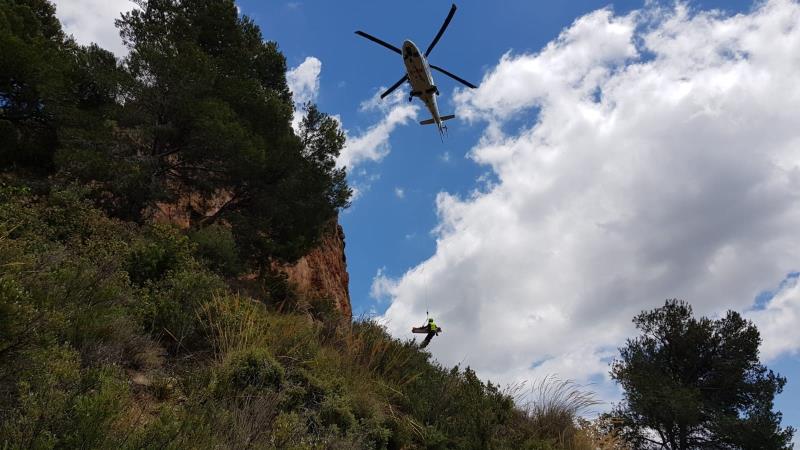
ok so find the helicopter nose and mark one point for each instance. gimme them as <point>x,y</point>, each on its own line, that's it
<point>410,49</point>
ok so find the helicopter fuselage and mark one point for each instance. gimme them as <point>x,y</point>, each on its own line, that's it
<point>421,80</point>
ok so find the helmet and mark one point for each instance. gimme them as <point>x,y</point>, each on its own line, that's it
<point>430,319</point>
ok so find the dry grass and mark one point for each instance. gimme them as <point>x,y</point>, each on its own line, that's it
<point>552,408</point>
<point>367,345</point>
<point>594,435</point>
<point>252,420</point>
<point>232,323</point>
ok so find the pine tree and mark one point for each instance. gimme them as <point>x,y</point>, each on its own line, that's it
<point>697,383</point>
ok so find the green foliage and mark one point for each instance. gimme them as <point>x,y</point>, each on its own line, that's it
<point>165,249</point>
<point>63,277</point>
<point>117,333</point>
<point>551,414</point>
<point>231,323</point>
<point>336,411</point>
<point>77,332</point>
<point>200,108</point>
<point>169,307</point>
<point>216,246</point>
<point>697,382</point>
<point>62,405</point>
<point>208,112</point>
<point>254,368</point>
<point>52,91</point>
<point>33,69</point>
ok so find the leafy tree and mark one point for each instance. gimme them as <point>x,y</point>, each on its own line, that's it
<point>207,115</point>
<point>52,91</point>
<point>32,72</point>
<point>697,383</point>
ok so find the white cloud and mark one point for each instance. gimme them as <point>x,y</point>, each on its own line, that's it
<point>382,286</point>
<point>778,321</point>
<point>370,145</point>
<point>373,144</point>
<point>93,21</point>
<point>399,192</point>
<point>663,162</point>
<point>303,82</point>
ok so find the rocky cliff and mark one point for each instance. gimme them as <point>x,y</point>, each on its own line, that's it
<point>320,274</point>
<point>323,272</point>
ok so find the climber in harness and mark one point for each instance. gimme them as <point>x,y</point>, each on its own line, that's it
<point>430,328</point>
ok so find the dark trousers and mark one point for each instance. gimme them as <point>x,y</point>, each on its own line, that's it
<point>427,340</point>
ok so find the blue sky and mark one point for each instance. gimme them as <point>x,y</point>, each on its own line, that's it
<point>385,232</point>
<point>414,248</point>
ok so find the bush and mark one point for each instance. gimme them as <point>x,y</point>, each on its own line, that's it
<point>65,283</point>
<point>72,319</point>
<point>61,405</point>
<point>254,368</point>
<point>336,411</point>
<point>232,323</point>
<point>553,409</point>
<point>216,246</point>
<point>293,338</point>
<point>163,249</point>
<point>169,309</point>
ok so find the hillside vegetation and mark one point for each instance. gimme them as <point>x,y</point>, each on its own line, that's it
<point>116,335</point>
<point>117,332</point>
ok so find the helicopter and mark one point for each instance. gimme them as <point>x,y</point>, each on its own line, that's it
<point>418,73</point>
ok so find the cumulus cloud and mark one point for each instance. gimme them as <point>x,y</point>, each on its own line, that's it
<point>303,82</point>
<point>93,21</point>
<point>659,158</point>
<point>382,285</point>
<point>373,144</point>
<point>370,145</point>
<point>777,320</point>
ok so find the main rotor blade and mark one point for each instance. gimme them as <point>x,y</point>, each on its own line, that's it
<point>441,30</point>
<point>459,79</point>
<point>395,86</point>
<point>379,42</point>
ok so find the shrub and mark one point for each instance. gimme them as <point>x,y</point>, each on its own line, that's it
<point>231,323</point>
<point>163,249</point>
<point>288,430</point>
<point>294,339</point>
<point>554,408</point>
<point>216,246</point>
<point>336,410</point>
<point>64,284</point>
<point>21,319</point>
<point>254,368</point>
<point>60,405</point>
<point>369,345</point>
<point>169,309</point>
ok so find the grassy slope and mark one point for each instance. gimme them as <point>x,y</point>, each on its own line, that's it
<point>118,335</point>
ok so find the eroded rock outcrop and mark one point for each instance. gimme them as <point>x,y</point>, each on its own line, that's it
<point>323,272</point>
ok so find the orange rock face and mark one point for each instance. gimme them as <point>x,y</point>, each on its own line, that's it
<point>323,272</point>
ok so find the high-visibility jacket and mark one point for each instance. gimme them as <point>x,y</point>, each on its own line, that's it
<point>432,326</point>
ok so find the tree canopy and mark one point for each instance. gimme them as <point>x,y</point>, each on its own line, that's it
<point>199,109</point>
<point>697,383</point>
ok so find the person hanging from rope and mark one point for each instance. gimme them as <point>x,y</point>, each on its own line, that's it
<point>430,328</point>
